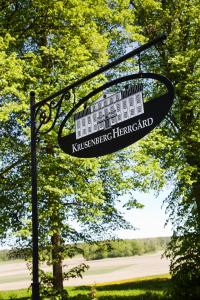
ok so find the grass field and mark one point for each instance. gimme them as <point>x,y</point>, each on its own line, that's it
<point>16,275</point>
<point>146,288</point>
<point>92,271</point>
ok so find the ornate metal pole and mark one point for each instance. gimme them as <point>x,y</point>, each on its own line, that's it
<point>36,111</point>
<point>35,252</point>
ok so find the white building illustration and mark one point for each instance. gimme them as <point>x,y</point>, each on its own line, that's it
<point>109,110</point>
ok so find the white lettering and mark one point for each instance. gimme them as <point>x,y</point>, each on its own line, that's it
<point>129,129</point>
<point>134,127</point>
<point>125,130</point>
<point>109,136</point>
<point>121,131</point>
<point>74,149</point>
<point>115,133</point>
<point>102,139</point>
<point>150,121</point>
<point>144,122</point>
<point>139,125</point>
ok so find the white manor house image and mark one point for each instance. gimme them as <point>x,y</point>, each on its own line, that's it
<point>110,110</point>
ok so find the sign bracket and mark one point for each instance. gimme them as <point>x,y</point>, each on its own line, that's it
<point>42,112</point>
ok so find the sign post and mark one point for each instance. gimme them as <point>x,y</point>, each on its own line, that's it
<point>35,253</point>
<point>110,123</point>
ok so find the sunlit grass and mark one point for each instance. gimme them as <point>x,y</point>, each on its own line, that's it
<point>151,288</point>
<point>145,288</point>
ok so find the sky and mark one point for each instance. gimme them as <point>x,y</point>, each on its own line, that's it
<point>150,220</point>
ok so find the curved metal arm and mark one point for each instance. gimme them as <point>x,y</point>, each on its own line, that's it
<point>44,115</point>
<point>110,65</point>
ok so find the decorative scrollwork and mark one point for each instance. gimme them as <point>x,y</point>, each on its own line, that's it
<point>44,113</point>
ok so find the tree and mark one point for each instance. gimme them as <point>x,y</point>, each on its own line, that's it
<point>55,43</point>
<point>12,149</point>
<point>175,144</point>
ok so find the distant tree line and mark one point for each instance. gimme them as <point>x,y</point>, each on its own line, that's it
<point>123,248</point>
<point>106,249</point>
<point>8,255</point>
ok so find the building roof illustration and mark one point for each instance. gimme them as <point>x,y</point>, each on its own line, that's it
<point>106,99</point>
<point>108,110</point>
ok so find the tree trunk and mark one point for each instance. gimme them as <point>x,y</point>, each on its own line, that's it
<point>57,262</point>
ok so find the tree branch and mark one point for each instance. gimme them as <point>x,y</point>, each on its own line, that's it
<point>7,169</point>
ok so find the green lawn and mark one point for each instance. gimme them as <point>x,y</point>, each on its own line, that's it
<point>147,288</point>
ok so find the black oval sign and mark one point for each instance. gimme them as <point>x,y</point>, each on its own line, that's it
<point>120,135</point>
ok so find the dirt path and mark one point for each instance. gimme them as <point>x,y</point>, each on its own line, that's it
<point>16,275</point>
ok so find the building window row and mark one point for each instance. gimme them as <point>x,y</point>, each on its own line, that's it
<point>105,117</point>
